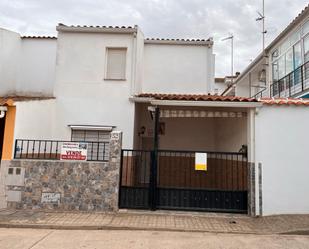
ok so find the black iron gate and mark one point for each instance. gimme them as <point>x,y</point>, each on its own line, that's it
<point>173,183</point>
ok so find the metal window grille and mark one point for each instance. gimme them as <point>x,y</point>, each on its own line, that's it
<point>93,138</point>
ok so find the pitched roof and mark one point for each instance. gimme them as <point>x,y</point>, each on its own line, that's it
<point>195,97</point>
<point>200,42</point>
<point>285,101</point>
<point>208,97</point>
<point>38,37</point>
<point>96,29</point>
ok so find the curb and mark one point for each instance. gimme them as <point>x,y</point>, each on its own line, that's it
<point>125,228</point>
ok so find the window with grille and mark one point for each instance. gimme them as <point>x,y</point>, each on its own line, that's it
<point>98,143</point>
<point>116,64</point>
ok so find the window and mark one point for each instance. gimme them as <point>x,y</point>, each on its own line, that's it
<point>281,67</point>
<point>297,55</point>
<point>275,71</point>
<point>116,63</point>
<point>306,28</point>
<point>90,136</point>
<point>285,45</point>
<point>306,48</point>
<point>289,61</point>
<point>295,37</point>
<point>95,150</point>
<point>275,54</point>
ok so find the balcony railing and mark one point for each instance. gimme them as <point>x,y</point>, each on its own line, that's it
<point>294,83</point>
<point>51,149</point>
<point>260,94</point>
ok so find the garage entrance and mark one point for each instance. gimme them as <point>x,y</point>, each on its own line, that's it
<point>163,173</point>
<point>168,179</point>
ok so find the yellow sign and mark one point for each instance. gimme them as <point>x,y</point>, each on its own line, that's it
<point>201,161</point>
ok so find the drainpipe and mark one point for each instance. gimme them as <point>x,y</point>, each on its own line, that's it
<point>133,66</point>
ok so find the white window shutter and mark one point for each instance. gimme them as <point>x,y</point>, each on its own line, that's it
<point>116,63</point>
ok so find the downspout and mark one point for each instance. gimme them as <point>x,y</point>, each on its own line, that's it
<point>133,67</point>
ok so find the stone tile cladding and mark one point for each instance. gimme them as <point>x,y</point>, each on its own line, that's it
<point>83,186</point>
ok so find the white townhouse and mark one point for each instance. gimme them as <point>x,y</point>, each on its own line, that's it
<point>282,69</point>
<point>91,72</point>
<point>183,147</point>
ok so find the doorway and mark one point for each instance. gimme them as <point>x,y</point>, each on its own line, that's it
<point>2,125</point>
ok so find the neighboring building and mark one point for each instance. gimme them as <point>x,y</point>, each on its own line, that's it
<point>282,70</point>
<point>222,84</point>
<point>27,64</point>
<point>156,92</point>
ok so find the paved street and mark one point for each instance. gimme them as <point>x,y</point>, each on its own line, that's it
<point>14,238</point>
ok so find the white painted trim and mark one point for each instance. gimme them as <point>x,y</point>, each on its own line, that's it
<point>205,103</point>
<point>91,128</point>
<point>140,99</point>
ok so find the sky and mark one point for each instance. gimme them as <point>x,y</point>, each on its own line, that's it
<point>163,19</point>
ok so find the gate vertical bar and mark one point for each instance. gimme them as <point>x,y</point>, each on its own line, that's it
<point>120,178</point>
<point>154,162</point>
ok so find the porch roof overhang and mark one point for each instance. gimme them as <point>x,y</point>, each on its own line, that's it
<point>11,100</point>
<point>196,100</point>
<point>205,103</point>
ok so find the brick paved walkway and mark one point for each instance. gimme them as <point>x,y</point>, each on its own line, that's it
<point>167,221</point>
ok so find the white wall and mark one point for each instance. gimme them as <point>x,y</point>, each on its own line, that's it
<point>36,74</point>
<point>9,59</point>
<point>34,119</point>
<point>27,66</point>
<point>242,88</point>
<point>231,134</point>
<point>282,148</point>
<point>177,69</point>
<point>83,97</point>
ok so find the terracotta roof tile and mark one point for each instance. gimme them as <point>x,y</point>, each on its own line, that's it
<point>97,26</point>
<point>172,39</point>
<point>285,101</point>
<point>195,97</point>
<point>38,37</point>
<point>208,97</point>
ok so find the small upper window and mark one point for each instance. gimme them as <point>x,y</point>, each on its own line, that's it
<point>306,28</point>
<point>116,64</point>
<point>275,54</point>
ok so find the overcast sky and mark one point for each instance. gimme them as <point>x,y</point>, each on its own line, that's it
<point>162,19</point>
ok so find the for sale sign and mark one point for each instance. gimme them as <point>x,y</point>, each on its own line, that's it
<point>74,151</point>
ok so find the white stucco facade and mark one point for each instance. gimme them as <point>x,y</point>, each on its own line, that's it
<point>34,119</point>
<point>36,74</point>
<point>72,70</point>
<point>9,57</point>
<point>281,145</point>
<point>178,68</point>
<point>27,64</point>
<point>85,97</point>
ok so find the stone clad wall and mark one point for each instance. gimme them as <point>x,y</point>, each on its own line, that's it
<point>84,186</point>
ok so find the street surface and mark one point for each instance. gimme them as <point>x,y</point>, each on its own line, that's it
<point>17,238</point>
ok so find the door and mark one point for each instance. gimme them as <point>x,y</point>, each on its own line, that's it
<point>2,124</point>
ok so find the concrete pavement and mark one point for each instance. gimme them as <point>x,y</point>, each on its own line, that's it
<point>155,221</point>
<point>13,238</point>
